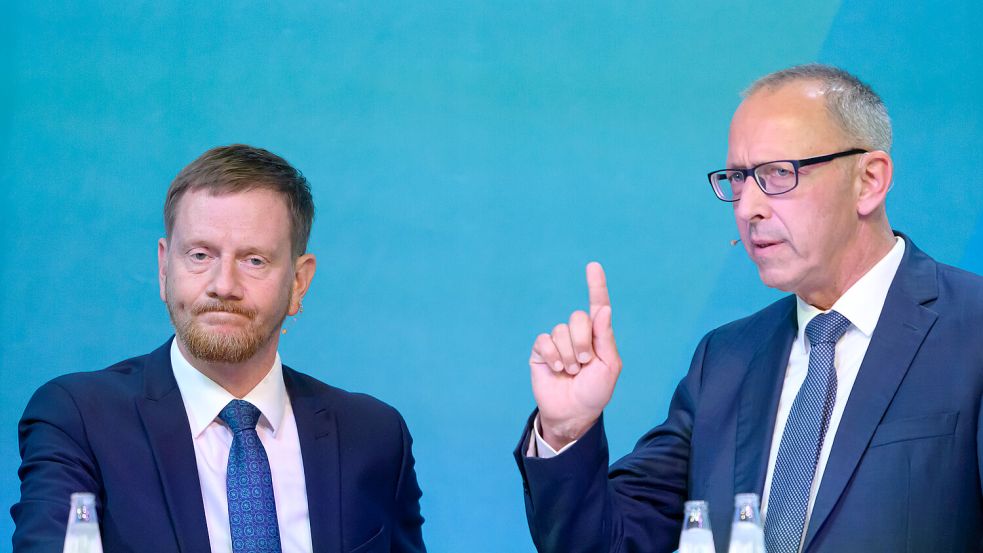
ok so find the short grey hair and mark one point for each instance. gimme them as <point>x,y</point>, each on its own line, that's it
<point>853,105</point>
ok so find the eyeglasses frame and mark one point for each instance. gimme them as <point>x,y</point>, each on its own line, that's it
<point>796,163</point>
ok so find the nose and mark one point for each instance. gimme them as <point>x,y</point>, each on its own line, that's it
<point>225,283</point>
<point>754,204</point>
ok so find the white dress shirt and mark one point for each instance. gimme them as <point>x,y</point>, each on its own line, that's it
<point>861,304</point>
<point>277,430</point>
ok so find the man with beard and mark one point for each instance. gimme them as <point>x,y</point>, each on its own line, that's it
<point>209,443</point>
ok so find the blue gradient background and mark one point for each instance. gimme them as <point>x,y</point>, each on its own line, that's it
<point>467,160</point>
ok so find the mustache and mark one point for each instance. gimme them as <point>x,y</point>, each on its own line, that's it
<point>222,307</point>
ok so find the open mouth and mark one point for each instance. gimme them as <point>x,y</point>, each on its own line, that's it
<point>766,245</point>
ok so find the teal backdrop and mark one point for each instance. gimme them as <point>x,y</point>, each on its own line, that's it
<point>467,160</point>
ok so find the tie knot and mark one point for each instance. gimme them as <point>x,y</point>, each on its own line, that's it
<point>827,328</point>
<point>240,415</point>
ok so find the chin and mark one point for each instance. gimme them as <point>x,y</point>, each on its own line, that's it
<point>773,278</point>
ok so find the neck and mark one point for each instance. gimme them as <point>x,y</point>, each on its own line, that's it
<point>236,378</point>
<point>869,246</point>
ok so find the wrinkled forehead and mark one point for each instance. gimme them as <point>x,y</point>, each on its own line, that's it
<point>786,122</point>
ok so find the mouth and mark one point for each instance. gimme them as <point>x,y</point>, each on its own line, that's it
<point>222,317</point>
<point>765,245</point>
<point>224,309</point>
<point>221,312</point>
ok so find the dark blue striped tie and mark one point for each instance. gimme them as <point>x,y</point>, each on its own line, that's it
<point>252,509</point>
<point>802,440</point>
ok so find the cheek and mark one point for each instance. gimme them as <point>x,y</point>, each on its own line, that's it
<point>273,293</point>
<point>801,224</point>
<point>742,227</point>
<point>183,289</point>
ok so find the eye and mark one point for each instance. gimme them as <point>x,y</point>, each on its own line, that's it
<point>777,170</point>
<point>255,261</point>
<point>198,256</point>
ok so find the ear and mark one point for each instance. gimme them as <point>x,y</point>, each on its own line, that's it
<point>304,269</point>
<point>162,267</point>
<point>875,172</point>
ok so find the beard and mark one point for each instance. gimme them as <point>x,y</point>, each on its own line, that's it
<point>224,347</point>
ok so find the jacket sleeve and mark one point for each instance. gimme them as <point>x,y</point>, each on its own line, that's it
<point>576,503</point>
<point>407,521</point>
<point>56,461</point>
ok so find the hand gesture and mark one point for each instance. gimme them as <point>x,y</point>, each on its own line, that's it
<point>574,368</point>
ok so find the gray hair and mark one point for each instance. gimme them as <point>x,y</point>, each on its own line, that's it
<point>853,105</point>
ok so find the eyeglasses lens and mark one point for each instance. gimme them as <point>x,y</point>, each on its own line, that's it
<point>728,184</point>
<point>776,177</point>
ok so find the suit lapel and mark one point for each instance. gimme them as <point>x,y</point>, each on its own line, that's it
<point>318,431</point>
<point>162,412</point>
<point>759,403</point>
<point>902,327</point>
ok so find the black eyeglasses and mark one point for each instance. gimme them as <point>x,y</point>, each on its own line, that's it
<point>773,177</point>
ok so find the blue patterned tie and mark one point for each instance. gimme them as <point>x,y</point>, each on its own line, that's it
<point>252,510</point>
<point>802,440</point>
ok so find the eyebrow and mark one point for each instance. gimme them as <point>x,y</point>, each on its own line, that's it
<point>729,166</point>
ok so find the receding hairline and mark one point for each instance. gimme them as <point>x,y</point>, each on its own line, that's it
<point>823,74</point>
<point>771,88</point>
<point>851,104</point>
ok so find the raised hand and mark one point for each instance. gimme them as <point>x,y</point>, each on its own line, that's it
<point>575,367</point>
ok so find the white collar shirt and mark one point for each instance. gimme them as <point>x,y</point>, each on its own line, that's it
<point>204,399</point>
<point>862,304</point>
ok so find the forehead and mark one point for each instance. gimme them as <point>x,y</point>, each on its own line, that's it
<point>257,216</point>
<point>790,121</point>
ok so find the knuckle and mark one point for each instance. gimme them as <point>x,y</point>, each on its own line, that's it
<point>579,320</point>
<point>543,344</point>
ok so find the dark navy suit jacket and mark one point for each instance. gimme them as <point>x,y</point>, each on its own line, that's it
<point>123,434</point>
<point>904,472</point>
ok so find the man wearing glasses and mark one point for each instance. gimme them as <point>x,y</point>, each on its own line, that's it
<point>852,407</point>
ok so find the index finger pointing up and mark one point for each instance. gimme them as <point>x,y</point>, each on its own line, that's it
<point>597,287</point>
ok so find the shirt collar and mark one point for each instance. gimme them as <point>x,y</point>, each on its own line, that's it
<point>204,399</point>
<point>861,303</point>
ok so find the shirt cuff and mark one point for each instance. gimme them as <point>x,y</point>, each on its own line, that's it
<point>538,446</point>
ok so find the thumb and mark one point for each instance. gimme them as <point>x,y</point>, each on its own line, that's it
<point>604,346</point>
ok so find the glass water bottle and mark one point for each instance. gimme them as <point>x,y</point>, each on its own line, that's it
<point>82,535</point>
<point>696,536</point>
<point>746,533</point>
